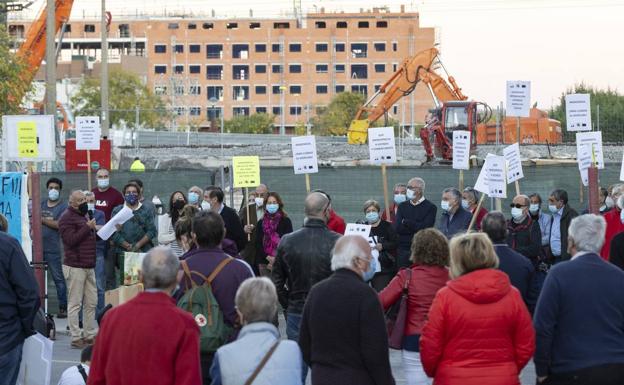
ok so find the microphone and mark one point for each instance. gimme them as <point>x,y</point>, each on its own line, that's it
<point>90,212</point>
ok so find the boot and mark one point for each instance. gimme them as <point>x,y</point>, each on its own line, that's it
<point>62,312</point>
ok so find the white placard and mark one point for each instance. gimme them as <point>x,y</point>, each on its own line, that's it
<point>586,142</point>
<point>578,112</point>
<point>518,98</point>
<point>514,163</point>
<point>119,219</point>
<point>305,160</point>
<point>358,229</point>
<point>585,176</point>
<point>381,145</point>
<point>14,142</point>
<point>622,169</point>
<point>497,181</point>
<point>461,150</point>
<point>88,133</point>
<point>482,181</point>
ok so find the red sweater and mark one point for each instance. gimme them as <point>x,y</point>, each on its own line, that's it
<point>614,227</point>
<point>147,340</point>
<point>336,223</point>
<point>78,240</point>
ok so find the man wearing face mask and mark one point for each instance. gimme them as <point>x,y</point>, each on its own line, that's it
<point>535,210</point>
<point>614,225</point>
<point>524,235</point>
<point>51,210</point>
<point>400,196</point>
<point>195,195</point>
<point>470,201</point>
<point>562,215</point>
<point>79,239</point>
<point>256,212</point>
<point>455,219</point>
<point>616,256</point>
<point>100,248</point>
<point>233,227</point>
<point>343,335</point>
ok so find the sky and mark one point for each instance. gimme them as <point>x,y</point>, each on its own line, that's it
<point>552,43</point>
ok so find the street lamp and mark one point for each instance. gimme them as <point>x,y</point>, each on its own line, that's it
<point>213,101</point>
<point>282,107</point>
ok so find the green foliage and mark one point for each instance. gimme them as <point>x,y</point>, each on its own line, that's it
<point>611,112</point>
<point>12,87</point>
<point>300,129</point>
<point>252,124</point>
<point>126,93</point>
<point>336,118</point>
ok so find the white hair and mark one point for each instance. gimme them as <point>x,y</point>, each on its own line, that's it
<point>346,251</point>
<point>617,189</point>
<point>588,232</point>
<point>256,299</point>
<point>420,182</point>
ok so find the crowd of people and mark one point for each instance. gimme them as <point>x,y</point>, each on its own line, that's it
<point>482,292</point>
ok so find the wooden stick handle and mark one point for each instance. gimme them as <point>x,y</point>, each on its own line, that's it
<point>307,180</point>
<point>517,188</point>
<point>247,207</point>
<point>476,213</point>
<point>384,177</point>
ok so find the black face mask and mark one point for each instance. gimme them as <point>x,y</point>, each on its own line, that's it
<point>179,204</point>
<point>83,208</point>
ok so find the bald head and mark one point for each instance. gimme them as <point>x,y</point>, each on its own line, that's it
<point>262,189</point>
<point>316,205</point>
<point>76,198</point>
<point>347,250</point>
<point>159,269</point>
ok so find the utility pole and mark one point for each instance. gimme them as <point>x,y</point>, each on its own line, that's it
<point>104,119</point>
<point>50,59</point>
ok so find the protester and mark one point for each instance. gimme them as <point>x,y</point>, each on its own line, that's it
<point>208,230</point>
<point>233,226</point>
<point>606,201</point>
<point>535,209</point>
<point>517,266</point>
<point>4,224</point>
<point>137,165</point>
<point>195,195</point>
<point>335,223</point>
<point>136,234</point>
<point>524,235</point>
<point>19,302</point>
<point>455,219</point>
<point>78,374</point>
<point>470,201</point>
<point>100,251</point>
<point>184,228</point>
<point>385,242</point>
<point>274,224</point>
<point>343,335</point>
<point>580,314</point>
<point>166,226</point>
<point>303,258</point>
<point>79,239</point>
<point>148,340</point>
<point>235,363</point>
<point>614,224</point>
<point>478,330</point>
<point>256,212</point>
<point>427,275</point>
<point>52,207</point>
<point>562,215</point>
<point>400,196</point>
<point>149,205</point>
<point>412,216</point>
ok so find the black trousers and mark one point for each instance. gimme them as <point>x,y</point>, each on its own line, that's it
<point>609,374</point>
<point>205,360</point>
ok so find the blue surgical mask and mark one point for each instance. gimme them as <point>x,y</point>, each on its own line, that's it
<point>53,194</point>
<point>131,199</point>
<point>445,206</point>
<point>465,204</point>
<point>193,197</point>
<point>399,198</point>
<point>410,194</point>
<point>272,208</point>
<point>370,273</point>
<point>372,217</point>
<point>534,208</point>
<point>552,208</point>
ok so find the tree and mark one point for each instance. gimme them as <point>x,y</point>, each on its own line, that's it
<point>126,93</point>
<point>11,71</point>
<point>252,124</point>
<point>337,116</point>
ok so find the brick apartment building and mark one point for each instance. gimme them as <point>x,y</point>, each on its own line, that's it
<point>206,67</point>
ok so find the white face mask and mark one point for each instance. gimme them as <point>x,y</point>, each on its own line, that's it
<point>445,206</point>
<point>103,183</point>
<point>410,194</point>
<point>609,202</point>
<point>516,213</point>
<point>259,201</point>
<point>91,206</point>
<point>205,205</point>
<point>534,208</point>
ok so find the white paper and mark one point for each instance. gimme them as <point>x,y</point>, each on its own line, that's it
<point>461,150</point>
<point>497,182</point>
<point>372,241</point>
<point>518,98</point>
<point>482,181</point>
<point>36,366</point>
<point>578,112</point>
<point>585,176</point>
<point>586,142</point>
<point>88,133</point>
<point>514,163</point>
<point>358,229</point>
<point>381,145</point>
<point>305,160</point>
<point>45,137</point>
<point>119,219</point>
<point>622,169</point>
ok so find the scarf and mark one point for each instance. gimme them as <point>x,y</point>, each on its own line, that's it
<point>271,237</point>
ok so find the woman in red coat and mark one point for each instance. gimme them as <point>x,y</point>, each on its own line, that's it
<point>479,330</point>
<point>429,255</point>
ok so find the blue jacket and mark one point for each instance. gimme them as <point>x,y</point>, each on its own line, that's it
<point>234,363</point>
<point>520,271</point>
<point>458,224</point>
<point>579,319</point>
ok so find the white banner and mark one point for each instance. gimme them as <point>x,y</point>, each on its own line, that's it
<point>381,145</point>
<point>88,133</point>
<point>482,181</point>
<point>578,112</point>
<point>518,98</point>
<point>461,150</point>
<point>497,181</point>
<point>589,149</point>
<point>514,163</point>
<point>305,160</point>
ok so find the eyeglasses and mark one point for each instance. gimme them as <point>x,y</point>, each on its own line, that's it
<point>517,205</point>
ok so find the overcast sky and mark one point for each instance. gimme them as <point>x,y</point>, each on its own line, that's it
<point>552,43</point>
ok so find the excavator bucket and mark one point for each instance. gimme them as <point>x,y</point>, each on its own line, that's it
<point>358,132</point>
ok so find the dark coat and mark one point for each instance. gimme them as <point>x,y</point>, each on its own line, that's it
<point>234,228</point>
<point>566,218</point>
<point>343,335</point>
<point>78,240</point>
<point>303,259</point>
<point>19,295</point>
<point>249,252</point>
<point>458,224</point>
<point>616,256</point>
<point>525,237</point>
<point>283,228</point>
<point>520,271</point>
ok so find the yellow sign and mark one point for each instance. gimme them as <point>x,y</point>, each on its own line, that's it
<point>246,171</point>
<point>27,141</point>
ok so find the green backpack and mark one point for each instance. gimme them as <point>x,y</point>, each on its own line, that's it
<point>202,304</point>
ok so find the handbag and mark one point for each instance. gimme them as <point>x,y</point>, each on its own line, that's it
<point>397,318</point>
<point>260,366</point>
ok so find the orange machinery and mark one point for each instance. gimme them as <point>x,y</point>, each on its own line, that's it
<point>538,128</point>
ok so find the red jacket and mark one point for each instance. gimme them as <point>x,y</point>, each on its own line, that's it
<point>482,213</point>
<point>78,240</point>
<point>336,223</point>
<point>423,286</point>
<point>147,340</point>
<point>614,226</point>
<point>393,210</point>
<point>479,332</point>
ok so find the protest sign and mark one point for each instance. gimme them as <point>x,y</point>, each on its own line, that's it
<point>461,150</point>
<point>132,266</point>
<point>589,149</point>
<point>88,133</point>
<point>246,171</point>
<point>514,163</point>
<point>119,219</point>
<point>29,138</point>
<point>12,197</point>
<point>578,112</point>
<point>518,98</point>
<point>497,181</point>
<point>305,160</point>
<point>381,145</point>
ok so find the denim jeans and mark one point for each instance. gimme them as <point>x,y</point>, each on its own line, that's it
<point>100,279</point>
<point>414,372</point>
<point>10,364</point>
<point>55,267</point>
<point>293,325</point>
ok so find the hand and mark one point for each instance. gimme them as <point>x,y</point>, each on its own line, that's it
<point>91,224</point>
<point>126,246</point>
<point>541,379</point>
<point>135,248</point>
<point>379,247</point>
<point>271,260</point>
<point>249,229</point>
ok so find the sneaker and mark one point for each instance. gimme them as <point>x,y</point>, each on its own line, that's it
<point>78,344</point>
<point>62,312</point>
<point>88,341</point>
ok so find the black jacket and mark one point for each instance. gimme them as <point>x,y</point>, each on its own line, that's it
<point>566,218</point>
<point>249,253</point>
<point>19,295</point>
<point>303,259</point>
<point>520,271</point>
<point>525,237</point>
<point>233,227</point>
<point>343,334</point>
<point>389,241</point>
<point>283,228</point>
<point>616,256</point>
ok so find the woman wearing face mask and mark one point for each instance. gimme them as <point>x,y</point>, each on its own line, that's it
<point>166,223</point>
<point>183,229</point>
<point>400,196</point>
<point>470,201</point>
<point>386,241</point>
<point>270,229</point>
<point>136,234</point>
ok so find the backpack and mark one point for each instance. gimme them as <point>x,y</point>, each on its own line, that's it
<point>202,304</point>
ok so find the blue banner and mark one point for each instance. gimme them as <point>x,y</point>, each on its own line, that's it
<point>11,201</point>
